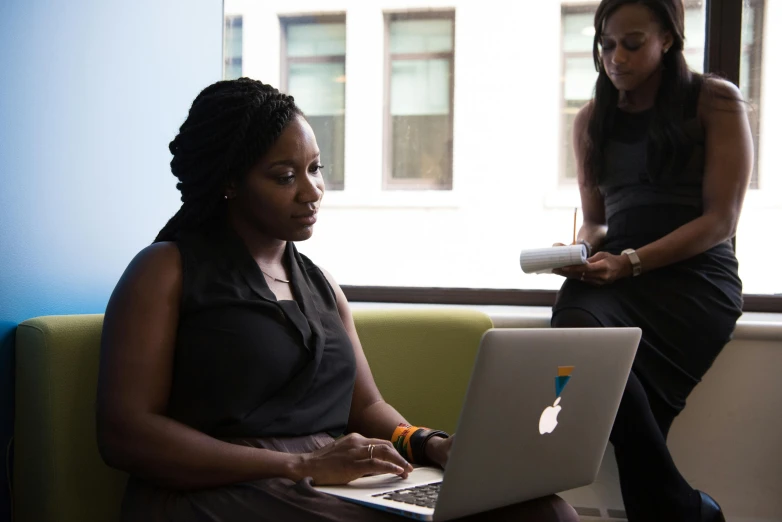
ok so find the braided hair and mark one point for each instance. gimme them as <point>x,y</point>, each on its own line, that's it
<point>231,124</point>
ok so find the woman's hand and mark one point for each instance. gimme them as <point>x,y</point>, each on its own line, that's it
<point>600,269</point>
<point>604,268</point>
<point>351,457</point>
<point>438,449</point>
<point>572,271</point>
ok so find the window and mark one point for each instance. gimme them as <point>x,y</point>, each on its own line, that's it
<point>313,72</point>
<point>232,47</point>
<point>449,143</point>
<point>419,101</point>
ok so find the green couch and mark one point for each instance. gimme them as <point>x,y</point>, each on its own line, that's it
<point>421,360</point>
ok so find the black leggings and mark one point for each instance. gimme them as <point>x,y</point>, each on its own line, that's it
<point>653,490</point>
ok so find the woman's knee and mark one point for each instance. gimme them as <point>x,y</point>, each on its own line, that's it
<point>574,318</point>
<point>545,509</point>
<point>551,509</point>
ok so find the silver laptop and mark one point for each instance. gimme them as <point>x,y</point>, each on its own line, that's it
<point>535,421</point>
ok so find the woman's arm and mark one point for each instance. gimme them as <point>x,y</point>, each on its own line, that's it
<point>137,348</point>
<point>370,415</point>
<point>727,169</point>
<point>728,166</point>
<point>593,229</point>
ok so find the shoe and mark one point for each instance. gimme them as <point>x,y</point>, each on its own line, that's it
<point>710,510</point>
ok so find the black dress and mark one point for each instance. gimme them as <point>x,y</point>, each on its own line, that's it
<point>252,370</point>
<point>687,310</point>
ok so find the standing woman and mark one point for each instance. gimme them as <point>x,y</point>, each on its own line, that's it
<point>664,157</point>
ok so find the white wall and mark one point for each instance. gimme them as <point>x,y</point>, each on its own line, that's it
<point>506,193</point>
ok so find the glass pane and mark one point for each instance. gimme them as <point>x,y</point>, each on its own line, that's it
<point>758,266</point>
<point>232,47</point>
<point>420,123</point>
<point>319,88</point>
<point>420,87</point>
<point>421,36</point>
<point>421,148</point>
<point>316,39</point>
<point>578,32</point>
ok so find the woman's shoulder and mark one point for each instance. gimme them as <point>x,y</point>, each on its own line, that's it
<point>153,278</point>
<point>715,85</point>
<point>319,273</point>
<point>163,254</point>
<point>311,268</point>
<point>718,95</point>
<point>157,263</point>
<point>583,115</point>
<point>581,123</point>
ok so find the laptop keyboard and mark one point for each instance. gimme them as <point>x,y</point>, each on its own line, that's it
<point>424,496</point>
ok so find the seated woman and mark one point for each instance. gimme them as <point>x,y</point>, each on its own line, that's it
<point>664,158</point>
<point>230,362</point>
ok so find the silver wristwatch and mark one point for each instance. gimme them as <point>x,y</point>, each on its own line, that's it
<point>634,260</point>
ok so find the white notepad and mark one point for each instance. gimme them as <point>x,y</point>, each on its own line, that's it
<point>543,260</point>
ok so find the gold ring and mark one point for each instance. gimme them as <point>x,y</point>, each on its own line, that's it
<point>371,449</point>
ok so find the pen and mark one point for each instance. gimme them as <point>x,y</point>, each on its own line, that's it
<point>575,214</point>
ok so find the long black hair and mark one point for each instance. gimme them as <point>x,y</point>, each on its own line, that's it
<point>230,126</point>
<point>666,137</point>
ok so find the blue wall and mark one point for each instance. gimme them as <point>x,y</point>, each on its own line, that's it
<point>91,92</point>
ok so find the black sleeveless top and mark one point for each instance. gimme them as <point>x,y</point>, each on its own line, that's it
<point>248,365</point>
<point>625,181</point>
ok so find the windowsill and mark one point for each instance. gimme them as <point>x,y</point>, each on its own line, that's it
<point>754,326</point>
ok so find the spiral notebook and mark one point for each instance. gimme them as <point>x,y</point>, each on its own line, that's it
<point>543,260</point>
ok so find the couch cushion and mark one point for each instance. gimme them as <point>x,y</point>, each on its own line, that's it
<point>422,359</point>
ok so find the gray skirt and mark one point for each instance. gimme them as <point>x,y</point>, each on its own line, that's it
<point>280,499</point>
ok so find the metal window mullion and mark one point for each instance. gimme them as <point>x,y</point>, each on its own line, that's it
<point>723,38</point>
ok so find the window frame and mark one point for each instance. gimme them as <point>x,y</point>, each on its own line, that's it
<point>389,183</point>
<point>722,52</point>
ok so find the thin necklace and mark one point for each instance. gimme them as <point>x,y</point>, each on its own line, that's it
<point>275,278</point>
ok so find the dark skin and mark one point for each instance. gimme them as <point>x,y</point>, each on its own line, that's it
<point>276,203</point>
<point>632,49</point>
